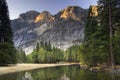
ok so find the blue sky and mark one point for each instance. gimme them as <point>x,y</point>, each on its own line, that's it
<point>17,7</point>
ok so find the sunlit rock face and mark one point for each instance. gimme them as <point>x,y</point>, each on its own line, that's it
<point>94,11</point>
<point>63,30</point>
<point>44,16</point>
<point>26,29</point>
<point>72,12</point>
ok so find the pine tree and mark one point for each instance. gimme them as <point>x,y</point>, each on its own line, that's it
<point>7,49</point>
<point>49,46</point>
<point>101,34</point>
<point>37,47</point>
<point>92,40</point>
<point>5,29</point>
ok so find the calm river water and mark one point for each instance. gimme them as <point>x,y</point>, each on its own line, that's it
<point>59,73</point>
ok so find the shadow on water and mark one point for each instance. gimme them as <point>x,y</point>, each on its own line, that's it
<point>59,73</point>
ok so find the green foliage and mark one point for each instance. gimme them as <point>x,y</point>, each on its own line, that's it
<point>45,54</point>
<point>49,54</point>
<point>72,54</point>
<point>96,46</point>
<point>7,54</point>
<point>93,49</point>
<point>21,56</point>
<point>116,48</point>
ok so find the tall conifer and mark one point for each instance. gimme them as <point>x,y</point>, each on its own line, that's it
<point>7,49</point>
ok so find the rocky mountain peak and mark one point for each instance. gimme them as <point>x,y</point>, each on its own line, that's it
<point>68,12</point>
<point>29,15</point>
<point>44,16</point>
<point>72,12</point>
<point>63,30</point>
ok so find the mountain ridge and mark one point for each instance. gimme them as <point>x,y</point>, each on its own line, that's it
<point>62,29</point>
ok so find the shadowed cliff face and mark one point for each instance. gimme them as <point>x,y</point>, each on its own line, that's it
<point>63,30</point>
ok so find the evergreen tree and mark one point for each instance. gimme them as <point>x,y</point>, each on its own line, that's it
<point>49,46</point>
<point>5,29</point>
<point>102,34</point>
<point>93,43</point>
<point>7,50</point>
<point>37,47</point>
<point>21,56</point>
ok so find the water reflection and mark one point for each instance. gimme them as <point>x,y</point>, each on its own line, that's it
<point>27,76</point>
<point>59,73</point>
<point>64,77</point>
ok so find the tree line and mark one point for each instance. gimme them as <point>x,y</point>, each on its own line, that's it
<point>46,53</point>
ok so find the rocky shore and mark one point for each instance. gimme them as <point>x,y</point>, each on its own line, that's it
<point>115,70</point>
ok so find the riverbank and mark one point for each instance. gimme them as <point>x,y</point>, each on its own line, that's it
<point>25,67</point>
<point>111,70</point>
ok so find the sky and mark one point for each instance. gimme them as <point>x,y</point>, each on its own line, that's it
<point>16,7</point>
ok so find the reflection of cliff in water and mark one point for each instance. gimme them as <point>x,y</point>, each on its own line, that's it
<point>64,77</point>
<point>27,76</point>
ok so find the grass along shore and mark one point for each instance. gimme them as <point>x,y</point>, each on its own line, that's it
<point>25,67</point>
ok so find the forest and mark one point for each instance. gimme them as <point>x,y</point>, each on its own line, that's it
<point>100,46</point>
<point>101,42</point>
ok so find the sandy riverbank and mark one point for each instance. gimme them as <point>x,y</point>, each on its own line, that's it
<point>23,67</point>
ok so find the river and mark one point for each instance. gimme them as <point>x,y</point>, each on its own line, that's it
<point>60,73</point>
